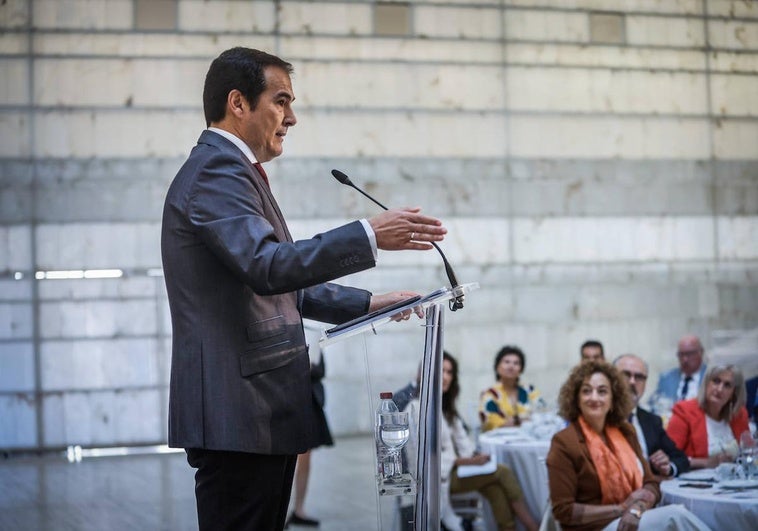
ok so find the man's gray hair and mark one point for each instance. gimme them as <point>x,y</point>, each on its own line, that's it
<point>635,356</point>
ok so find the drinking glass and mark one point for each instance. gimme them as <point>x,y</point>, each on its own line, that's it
<point>747,454</point>
<point>725,472</point>
<point>394,431</point>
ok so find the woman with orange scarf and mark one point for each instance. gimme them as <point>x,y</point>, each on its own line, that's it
<point>598,476</point>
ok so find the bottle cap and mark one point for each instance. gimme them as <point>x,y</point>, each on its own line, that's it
<point>385,395</point>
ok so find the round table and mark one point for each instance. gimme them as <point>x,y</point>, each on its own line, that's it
<point>718,507</point>
<point>525,456</point>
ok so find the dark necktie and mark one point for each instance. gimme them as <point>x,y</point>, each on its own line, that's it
<point>258,166</point>
<point>686,386</point>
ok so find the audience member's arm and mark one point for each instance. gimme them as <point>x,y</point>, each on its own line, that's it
<point>478,459</point>
<point>464,446</point>
<point>645,498</point>
<point>661,464</point>
<point>711,461</point>
<point>677,459</point>
<point>741,422</point>
<point>584,513</point>
<point>667,460</point>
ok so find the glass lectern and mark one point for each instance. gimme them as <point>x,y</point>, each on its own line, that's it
<point>425,480</point>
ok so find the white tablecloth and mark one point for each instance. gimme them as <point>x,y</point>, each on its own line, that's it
<point>718,507</point>
<point>525,455</point>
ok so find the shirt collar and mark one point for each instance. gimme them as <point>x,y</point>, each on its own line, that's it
<point>237,141</point>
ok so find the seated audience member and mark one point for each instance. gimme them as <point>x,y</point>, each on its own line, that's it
<point>500,487</point>
<point>708,427</point>
<point>506,403</point>
<point>661,452</point>
<point>683,382</point>
<point>597,474</point>
<point>592,350</point>
<point>751,386</point>
<point>401,397</point>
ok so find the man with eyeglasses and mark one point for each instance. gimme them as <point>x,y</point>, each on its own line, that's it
<point>683,382</point>
<point>665,458</point>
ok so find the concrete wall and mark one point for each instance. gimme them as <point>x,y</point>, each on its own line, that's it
<point>596,162</point>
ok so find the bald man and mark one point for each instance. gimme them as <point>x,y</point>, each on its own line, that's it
<point>665,458</point>
<point>683,382</point>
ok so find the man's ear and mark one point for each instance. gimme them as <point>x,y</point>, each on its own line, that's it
<point>236,103</point>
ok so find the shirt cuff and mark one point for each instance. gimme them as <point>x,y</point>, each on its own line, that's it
<point>371,237</point>
<point>674,470</point>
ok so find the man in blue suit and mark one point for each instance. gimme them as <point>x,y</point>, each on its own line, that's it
<point>683,382</point>
<point>238,287</point>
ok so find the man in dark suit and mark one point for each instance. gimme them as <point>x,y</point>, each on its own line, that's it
<point>665,458</point>
<point>238,287</point>
<point>402,396</point>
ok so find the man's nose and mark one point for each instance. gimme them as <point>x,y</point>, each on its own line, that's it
<point>289,118</point>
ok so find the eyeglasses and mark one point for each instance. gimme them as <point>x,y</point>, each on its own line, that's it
<point>687,353</point>
<point>636,375</point>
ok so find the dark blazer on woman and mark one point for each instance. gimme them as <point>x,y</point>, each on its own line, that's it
<point>573,478</point>
<point>237,288</point>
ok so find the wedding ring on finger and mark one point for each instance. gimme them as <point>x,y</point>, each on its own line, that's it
<point>413,236</point>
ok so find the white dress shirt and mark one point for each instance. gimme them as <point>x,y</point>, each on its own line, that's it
<point>640,433</point>
<point>692,388</point>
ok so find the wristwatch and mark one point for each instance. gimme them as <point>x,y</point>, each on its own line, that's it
<point>635,511</point>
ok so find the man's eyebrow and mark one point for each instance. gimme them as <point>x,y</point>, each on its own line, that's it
<point>284,94</point>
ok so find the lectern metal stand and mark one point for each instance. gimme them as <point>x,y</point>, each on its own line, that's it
<point>427,511</point>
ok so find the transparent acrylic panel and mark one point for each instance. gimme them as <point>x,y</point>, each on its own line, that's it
<point>358,369</point>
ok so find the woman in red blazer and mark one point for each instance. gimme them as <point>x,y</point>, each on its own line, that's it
<point>708,428</point>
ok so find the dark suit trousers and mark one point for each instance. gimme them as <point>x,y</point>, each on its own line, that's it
<point>239,491</point>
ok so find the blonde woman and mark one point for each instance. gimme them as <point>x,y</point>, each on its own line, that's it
<point>708,428</point>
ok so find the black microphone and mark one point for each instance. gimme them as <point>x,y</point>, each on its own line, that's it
<point>456,303</point>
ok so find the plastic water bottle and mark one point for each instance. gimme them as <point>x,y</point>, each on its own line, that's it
<point>384,461</point>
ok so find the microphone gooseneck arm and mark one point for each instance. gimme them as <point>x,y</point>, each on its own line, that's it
<point>344,179</point>
<point>457,302</point>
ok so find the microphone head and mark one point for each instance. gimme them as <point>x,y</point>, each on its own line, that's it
<point>341,177</point>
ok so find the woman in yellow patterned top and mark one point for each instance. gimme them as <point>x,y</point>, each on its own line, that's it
<point>507,403</point>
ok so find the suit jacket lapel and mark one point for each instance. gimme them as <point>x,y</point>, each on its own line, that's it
<point>646,423</point>
<point>279,224</point>
<point>266,194</point>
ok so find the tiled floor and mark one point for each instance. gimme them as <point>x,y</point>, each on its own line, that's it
<point>155,492</point>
